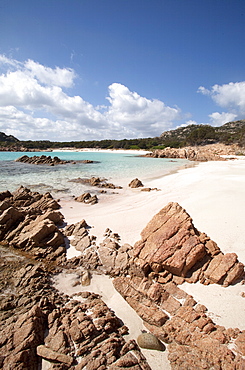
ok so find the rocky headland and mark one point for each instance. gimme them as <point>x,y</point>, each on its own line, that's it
<point>203,153</point>
<point>39,325</point>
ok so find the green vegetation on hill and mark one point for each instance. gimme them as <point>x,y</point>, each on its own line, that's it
<point>7,138</point>
<point>229,133</point>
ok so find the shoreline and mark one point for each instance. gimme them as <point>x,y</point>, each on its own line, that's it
<point>129,151</point>
<point>213,193</point>
<point>184,185</point>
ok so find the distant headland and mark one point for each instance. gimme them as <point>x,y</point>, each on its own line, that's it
<point>231,133</point>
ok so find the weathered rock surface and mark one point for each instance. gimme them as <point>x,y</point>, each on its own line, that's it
<point>87,198</point>
<point>174,317</point>
<point>36,323</point>
<point>29,221</point>
<point>135,183</point>
<point>171,246</point>
<point>96,181</point>
<point>80,331</point>
<point>43,159</point>
<point>109,257</point>
<point>200,154</point>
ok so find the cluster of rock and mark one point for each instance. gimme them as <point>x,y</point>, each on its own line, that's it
<point>136,183</point>
<point>96,181</point>
<point>30,221</point>
<point>109,257</point>
<point>43,159</point>
<point>199,154</point>
<point>88,335</point>
<point>194,341</point>
<point>87,198</point>
<point>75,332</point>
<point>172,248</point>
<point>37,323</point>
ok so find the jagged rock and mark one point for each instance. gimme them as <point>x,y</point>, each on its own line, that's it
<point>96,181</point>
<point>40,323</point>
<point>41,160</point>
<point>171,243</point>
<point>33,202</point>
<point>240,343</point>
<point>220,269</point>
<point>87,198</point>
<point>76,229</point>
<point>49,354</point>
<point>4,195</point>
<point>194,339</point>
<point>150,341</point>
<point>136,183</point>
<point>200,154</point>
<point>34,230</point>
<point>8,219</point>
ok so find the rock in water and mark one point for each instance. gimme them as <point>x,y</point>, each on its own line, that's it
<point>150,341</point>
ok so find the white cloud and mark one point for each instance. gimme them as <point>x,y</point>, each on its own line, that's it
<point>139,114</point>
<point>58,76</point>
<point>203,90</point>
<point>33,105</point>
<point>218,119</point>
<point>63,77</point>
<point>230,96</point>
<point>190,122</point>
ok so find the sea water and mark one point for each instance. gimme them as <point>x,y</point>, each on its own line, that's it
<point>118,168</point>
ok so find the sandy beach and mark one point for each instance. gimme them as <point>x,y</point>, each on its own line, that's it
<point>213,193</point>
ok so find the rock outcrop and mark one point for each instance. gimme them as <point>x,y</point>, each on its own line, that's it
<point>79,331</point>
<point>200,154</point>
<point>96,181</point>
<point>109,257</point>
<point>43,159</point>
<point>172,248</point>
<point>36,323</point>
<point>174,317</point>
<point>30,221</point>
<point>135,183</point>
<point>87,198</point>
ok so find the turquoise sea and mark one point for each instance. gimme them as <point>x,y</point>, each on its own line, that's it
<point>118,168</point>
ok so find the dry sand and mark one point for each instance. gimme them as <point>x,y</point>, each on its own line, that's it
<point>213,193</point>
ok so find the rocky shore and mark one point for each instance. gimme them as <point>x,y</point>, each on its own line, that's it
<point>47,160</point>
<point>211,152</point>
<point>43,159</point>
<point>42,328</point>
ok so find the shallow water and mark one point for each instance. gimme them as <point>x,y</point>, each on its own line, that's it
<point>119,168</point>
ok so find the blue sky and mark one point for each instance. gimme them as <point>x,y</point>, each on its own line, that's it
<point>93,69</point>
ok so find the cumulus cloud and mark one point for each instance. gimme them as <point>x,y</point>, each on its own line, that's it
<point>57,76</point>
<point>33,105</point>
<point>218,119</point>
<point>230,96</point>
<point>138,113</point>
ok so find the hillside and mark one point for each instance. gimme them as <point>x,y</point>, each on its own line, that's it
<point>7,138</point>
<point>231,132</point>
